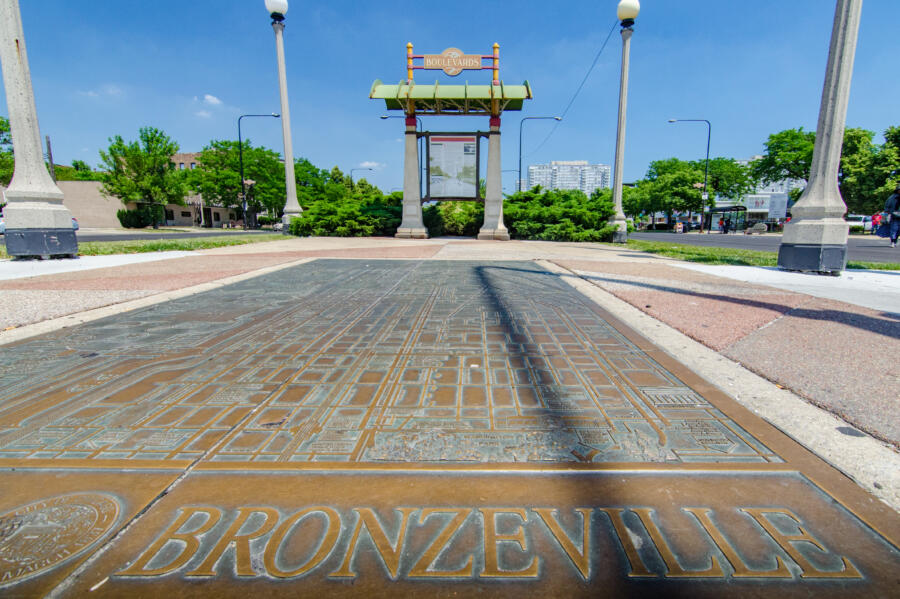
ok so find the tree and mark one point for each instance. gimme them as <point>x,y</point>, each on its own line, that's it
<point>142,171</point>
<point>788,155</point>
<point>676,186</point>
<point>727,178</point>
<point>217,176</point>
<point>7,161</point>
<point>867,174</point>
<point>311,182</point>
<point>858,176</point>
<point>81,166</point>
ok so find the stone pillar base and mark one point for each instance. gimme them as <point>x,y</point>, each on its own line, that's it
<point>493,234</point>
<point>620,236</point>
<point>823,258</point>
<point>411,233</point>
<point>41,242</point>
<point>814,245</point>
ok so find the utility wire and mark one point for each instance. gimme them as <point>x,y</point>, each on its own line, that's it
<point>578,91</point>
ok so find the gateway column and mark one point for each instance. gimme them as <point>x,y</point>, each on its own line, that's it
<point>493,227</point>
<point>412,226</point>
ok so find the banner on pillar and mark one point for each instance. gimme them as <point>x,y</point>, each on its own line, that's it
<point>453,166</point>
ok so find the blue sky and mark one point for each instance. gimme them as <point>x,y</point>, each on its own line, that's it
<point>102,68</point>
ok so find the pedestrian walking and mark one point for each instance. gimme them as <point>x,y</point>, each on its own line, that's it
<point>727,225</point>
<point>892,215</point>
<point>721,225</point>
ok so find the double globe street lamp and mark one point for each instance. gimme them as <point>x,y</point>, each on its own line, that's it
<point>277,9</point>
<point>627,12</point>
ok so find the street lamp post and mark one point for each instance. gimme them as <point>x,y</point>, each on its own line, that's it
<point>37,222</point>
<point>277,10</point>
<point>705,195</point>
<point>627,12</point>
<point>241,162</point>
<point>815,240</point>
<point>419,128</point>
<point>358,169</point>
<point>522,122</point>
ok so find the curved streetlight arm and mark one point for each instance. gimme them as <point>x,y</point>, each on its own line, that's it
<point>706,170</point>
<point>358,169</point>
<point>241,160</point>
<point>521,123</point>
<point>397,116</point>
<point>419,127</point>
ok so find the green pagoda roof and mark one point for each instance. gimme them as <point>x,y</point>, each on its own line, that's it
<point>451,99</point>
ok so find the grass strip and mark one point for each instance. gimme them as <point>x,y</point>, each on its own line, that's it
<point>718,255</point>
<point>107,248</point>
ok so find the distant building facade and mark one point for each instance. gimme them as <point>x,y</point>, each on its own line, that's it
<point>86,201</point>
<point>769,201</point>
<point>570,174</point>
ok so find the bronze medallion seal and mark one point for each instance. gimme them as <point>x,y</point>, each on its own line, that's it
<point>39,536</point>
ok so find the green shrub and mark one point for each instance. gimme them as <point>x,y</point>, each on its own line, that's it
<point>143,216</point>
<point>559,215</point>
<point>265,219</point>
<point>454,218</point>
<point>349,217</point>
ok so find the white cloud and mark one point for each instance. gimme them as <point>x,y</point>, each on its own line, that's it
<point>211,100</point>
<point>371,164</point>
<point>107,90</point>
<point>111,90</point>
<point>203,114</point>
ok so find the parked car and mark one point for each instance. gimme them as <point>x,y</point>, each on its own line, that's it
<point>859,222</point>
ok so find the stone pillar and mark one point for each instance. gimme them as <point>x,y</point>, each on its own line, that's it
<point>291,205</point>
<point>37,223</point>
<point>618,218</point>
<point>816,238</point>
<point>493,227</point>
<point>412,226</point>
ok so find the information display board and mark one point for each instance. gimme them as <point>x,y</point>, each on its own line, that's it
<point>453,166</point>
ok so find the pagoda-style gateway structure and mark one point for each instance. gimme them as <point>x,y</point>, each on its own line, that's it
<point>435,99</point>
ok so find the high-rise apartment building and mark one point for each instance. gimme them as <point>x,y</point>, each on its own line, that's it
<point>570,174</point>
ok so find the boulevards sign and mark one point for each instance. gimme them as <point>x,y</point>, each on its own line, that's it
<point>452,61</point>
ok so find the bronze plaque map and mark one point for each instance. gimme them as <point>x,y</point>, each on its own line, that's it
<point>366,426</point>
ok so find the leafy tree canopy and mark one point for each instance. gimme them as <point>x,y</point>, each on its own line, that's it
<point>868,171</point>
<point>727,178</point>
<point>142,171</point>
<point>788,155</point>
<point>217,176</point>
<point>7,162</point>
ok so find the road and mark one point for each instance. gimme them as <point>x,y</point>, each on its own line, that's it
<point>111,236</point>
<point>867,248</point>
